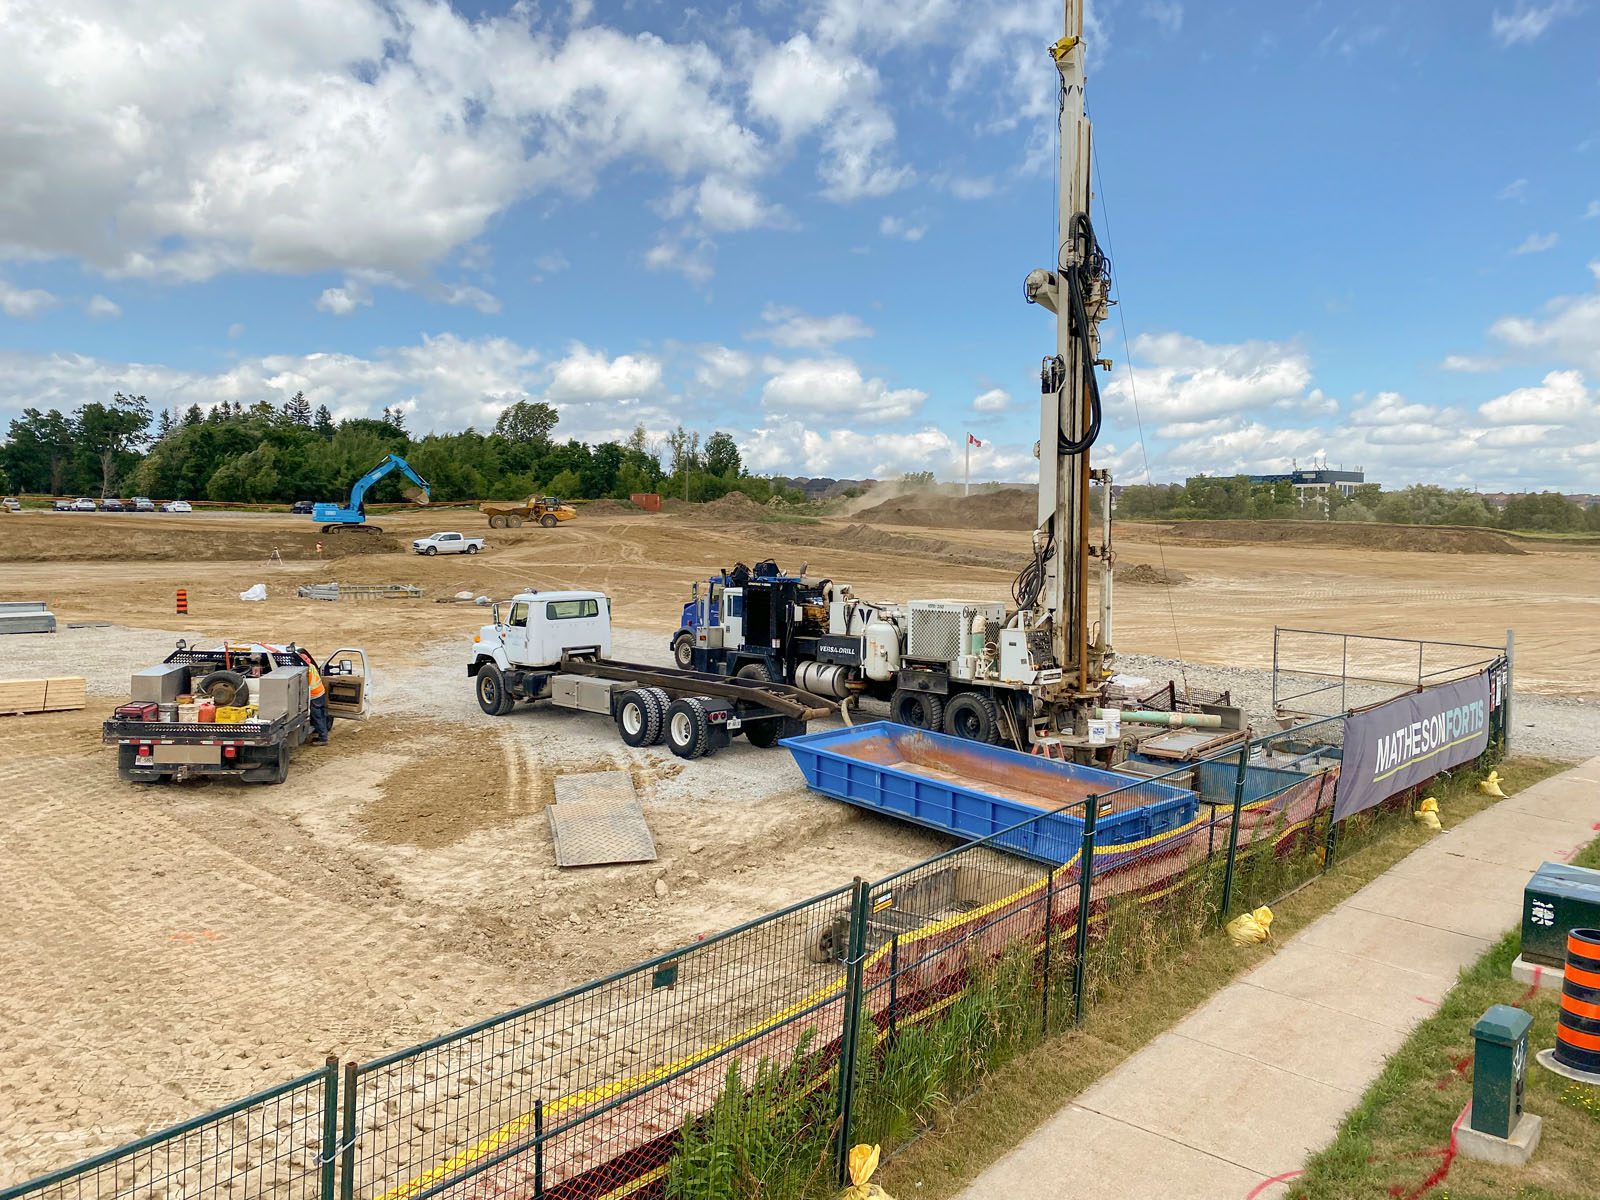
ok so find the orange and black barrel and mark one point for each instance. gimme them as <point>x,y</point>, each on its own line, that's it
<point>1578,1024</point>
<point>183,602</point>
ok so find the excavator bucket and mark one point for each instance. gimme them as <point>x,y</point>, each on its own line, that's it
<point>416,495</point>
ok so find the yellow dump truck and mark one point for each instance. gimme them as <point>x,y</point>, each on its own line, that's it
<point>546,510</point>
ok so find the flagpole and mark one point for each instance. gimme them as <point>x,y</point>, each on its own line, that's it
<point>968,487</point>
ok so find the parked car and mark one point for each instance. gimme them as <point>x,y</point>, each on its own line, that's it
<point>447,543</point>
<point>84,504</point>
<point>142,504</point>
<point>11,504</point>
<point>176,506</point>
<point>302,508</point>
<point>63,506</point>
<point>111,505</point>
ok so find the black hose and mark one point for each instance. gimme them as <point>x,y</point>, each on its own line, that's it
<point>1089,264</point>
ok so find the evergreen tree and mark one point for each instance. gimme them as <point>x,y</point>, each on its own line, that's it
<point>324,422</point>
<point>167,425</point>
<point>297,410</point>
<point>193,417</point>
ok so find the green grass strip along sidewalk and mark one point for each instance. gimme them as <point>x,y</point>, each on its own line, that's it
<point>1017,1097</point>
<point>1394,1144</point>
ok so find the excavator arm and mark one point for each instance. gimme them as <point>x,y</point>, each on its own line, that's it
<point>335,517</point>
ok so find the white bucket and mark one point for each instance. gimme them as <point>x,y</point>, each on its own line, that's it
<point>1097,731</point>
<point>1113,720</point>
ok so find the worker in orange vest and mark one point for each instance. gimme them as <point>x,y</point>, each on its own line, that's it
<point>321,721</point>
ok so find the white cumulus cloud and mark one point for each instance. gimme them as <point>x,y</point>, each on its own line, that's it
<point>834,389</point>
<point>103,307</point>
<point>1537,243</point>
<point>796,330</point>
<point>24,302</point>
<point>1560,399</point>
<point>1528,21</point>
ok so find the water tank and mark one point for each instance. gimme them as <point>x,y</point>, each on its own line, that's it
<point>881,658</point>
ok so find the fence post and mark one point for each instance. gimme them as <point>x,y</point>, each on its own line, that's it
<point>538,1148</point>
<point>1505,700</point>
<point>1085,895</point>
<point>347,1166</point>
<point>1233,831</point>
<point>850,1032</point>
<point>894,986</point>
<point>1049,918</point>
<point>329,1158</point>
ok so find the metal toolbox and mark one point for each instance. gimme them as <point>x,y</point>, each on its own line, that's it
<point>282,692</point>
<point>161,684</point>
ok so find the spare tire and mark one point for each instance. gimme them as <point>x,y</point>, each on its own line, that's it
<point>226,689</point>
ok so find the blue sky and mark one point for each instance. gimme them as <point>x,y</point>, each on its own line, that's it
<point>1337,230</point>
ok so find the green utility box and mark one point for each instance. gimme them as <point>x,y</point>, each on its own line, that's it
<point>1558,898</point>
<point>1500,1069</point>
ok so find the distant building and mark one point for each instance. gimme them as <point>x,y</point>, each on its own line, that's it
<point>1315,483</point>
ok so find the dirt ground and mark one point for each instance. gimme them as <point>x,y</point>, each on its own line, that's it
<point>170,949</point>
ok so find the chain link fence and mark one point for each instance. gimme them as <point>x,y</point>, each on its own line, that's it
<point>748,1063</point>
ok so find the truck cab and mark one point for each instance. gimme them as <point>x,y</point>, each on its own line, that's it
<point>534,629</point>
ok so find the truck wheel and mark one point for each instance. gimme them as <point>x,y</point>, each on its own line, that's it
<point>920,710</point>
<point>755,672</point>
<point>683,652</point>
<point>548,520</point>
<point>275,770</point>
<point>430,551</point>
<point>661,701</point>
<point>763,734</point>
<point>974,716</point>
<point>227,688</point>
<point>497,522</point>
<point>493,696</point>
<point>472,549</point>
<point>513,522</point>
<point>688,732</point>
<point>638,718</point>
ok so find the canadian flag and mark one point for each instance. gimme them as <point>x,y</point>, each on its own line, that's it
<point>972,441</point>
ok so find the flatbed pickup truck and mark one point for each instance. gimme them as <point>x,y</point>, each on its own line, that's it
<point>256,751</point>
<point>554,646</point>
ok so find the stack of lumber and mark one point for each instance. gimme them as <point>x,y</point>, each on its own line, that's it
<point>19,696</point>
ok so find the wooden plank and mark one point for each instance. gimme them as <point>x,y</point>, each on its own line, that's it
<point>64,694</point>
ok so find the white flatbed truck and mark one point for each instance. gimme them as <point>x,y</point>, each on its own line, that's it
<point>555,647</point>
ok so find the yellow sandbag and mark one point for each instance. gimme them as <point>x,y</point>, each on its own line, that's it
<point>863,1162</point>
<point>1252,927</point>
<point>1428,813</point>
<point>1491,785</point>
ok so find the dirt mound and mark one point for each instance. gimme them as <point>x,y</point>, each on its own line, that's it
<point>1427,539</point>
<point>607,508</point>
<point>1008,508</point>
<point>136,538</point>
<point>735,506</point>
<point>867,538</point>
<point>1144,573</point>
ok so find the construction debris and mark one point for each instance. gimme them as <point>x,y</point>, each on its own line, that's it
<point>358,591</point>
<point>19,696</point>
<point>26,616</point>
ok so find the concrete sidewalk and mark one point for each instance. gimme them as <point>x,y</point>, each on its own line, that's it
<point>1244,1088</point>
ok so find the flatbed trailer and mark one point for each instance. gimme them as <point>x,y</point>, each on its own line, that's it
<point>694,713</point>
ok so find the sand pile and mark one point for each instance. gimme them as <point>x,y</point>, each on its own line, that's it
<point>1427,539</point>
<point>1145,574</point>
<point>1008,508</point>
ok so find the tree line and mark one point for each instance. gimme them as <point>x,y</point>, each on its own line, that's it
<point>266,453</point>
<point>1236,498</point>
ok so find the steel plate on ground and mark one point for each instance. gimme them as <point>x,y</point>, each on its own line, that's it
<point>597,819</point>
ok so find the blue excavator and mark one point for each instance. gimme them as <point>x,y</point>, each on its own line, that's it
<point>341,518</point>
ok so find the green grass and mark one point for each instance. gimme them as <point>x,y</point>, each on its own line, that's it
<point>1129,1007</point>
<point>1386,1143</point>
<point>788,518</point>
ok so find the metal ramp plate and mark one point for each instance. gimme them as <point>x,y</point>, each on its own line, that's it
<point>597,819</point>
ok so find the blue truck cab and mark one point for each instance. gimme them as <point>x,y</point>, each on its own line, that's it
<point>751,622</point>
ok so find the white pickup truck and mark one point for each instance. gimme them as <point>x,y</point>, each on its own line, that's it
<point>447,543</point>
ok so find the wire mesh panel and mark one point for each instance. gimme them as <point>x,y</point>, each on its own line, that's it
<point>276,1144</point>
<point>589,1091</point>
<point>955,974</point>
